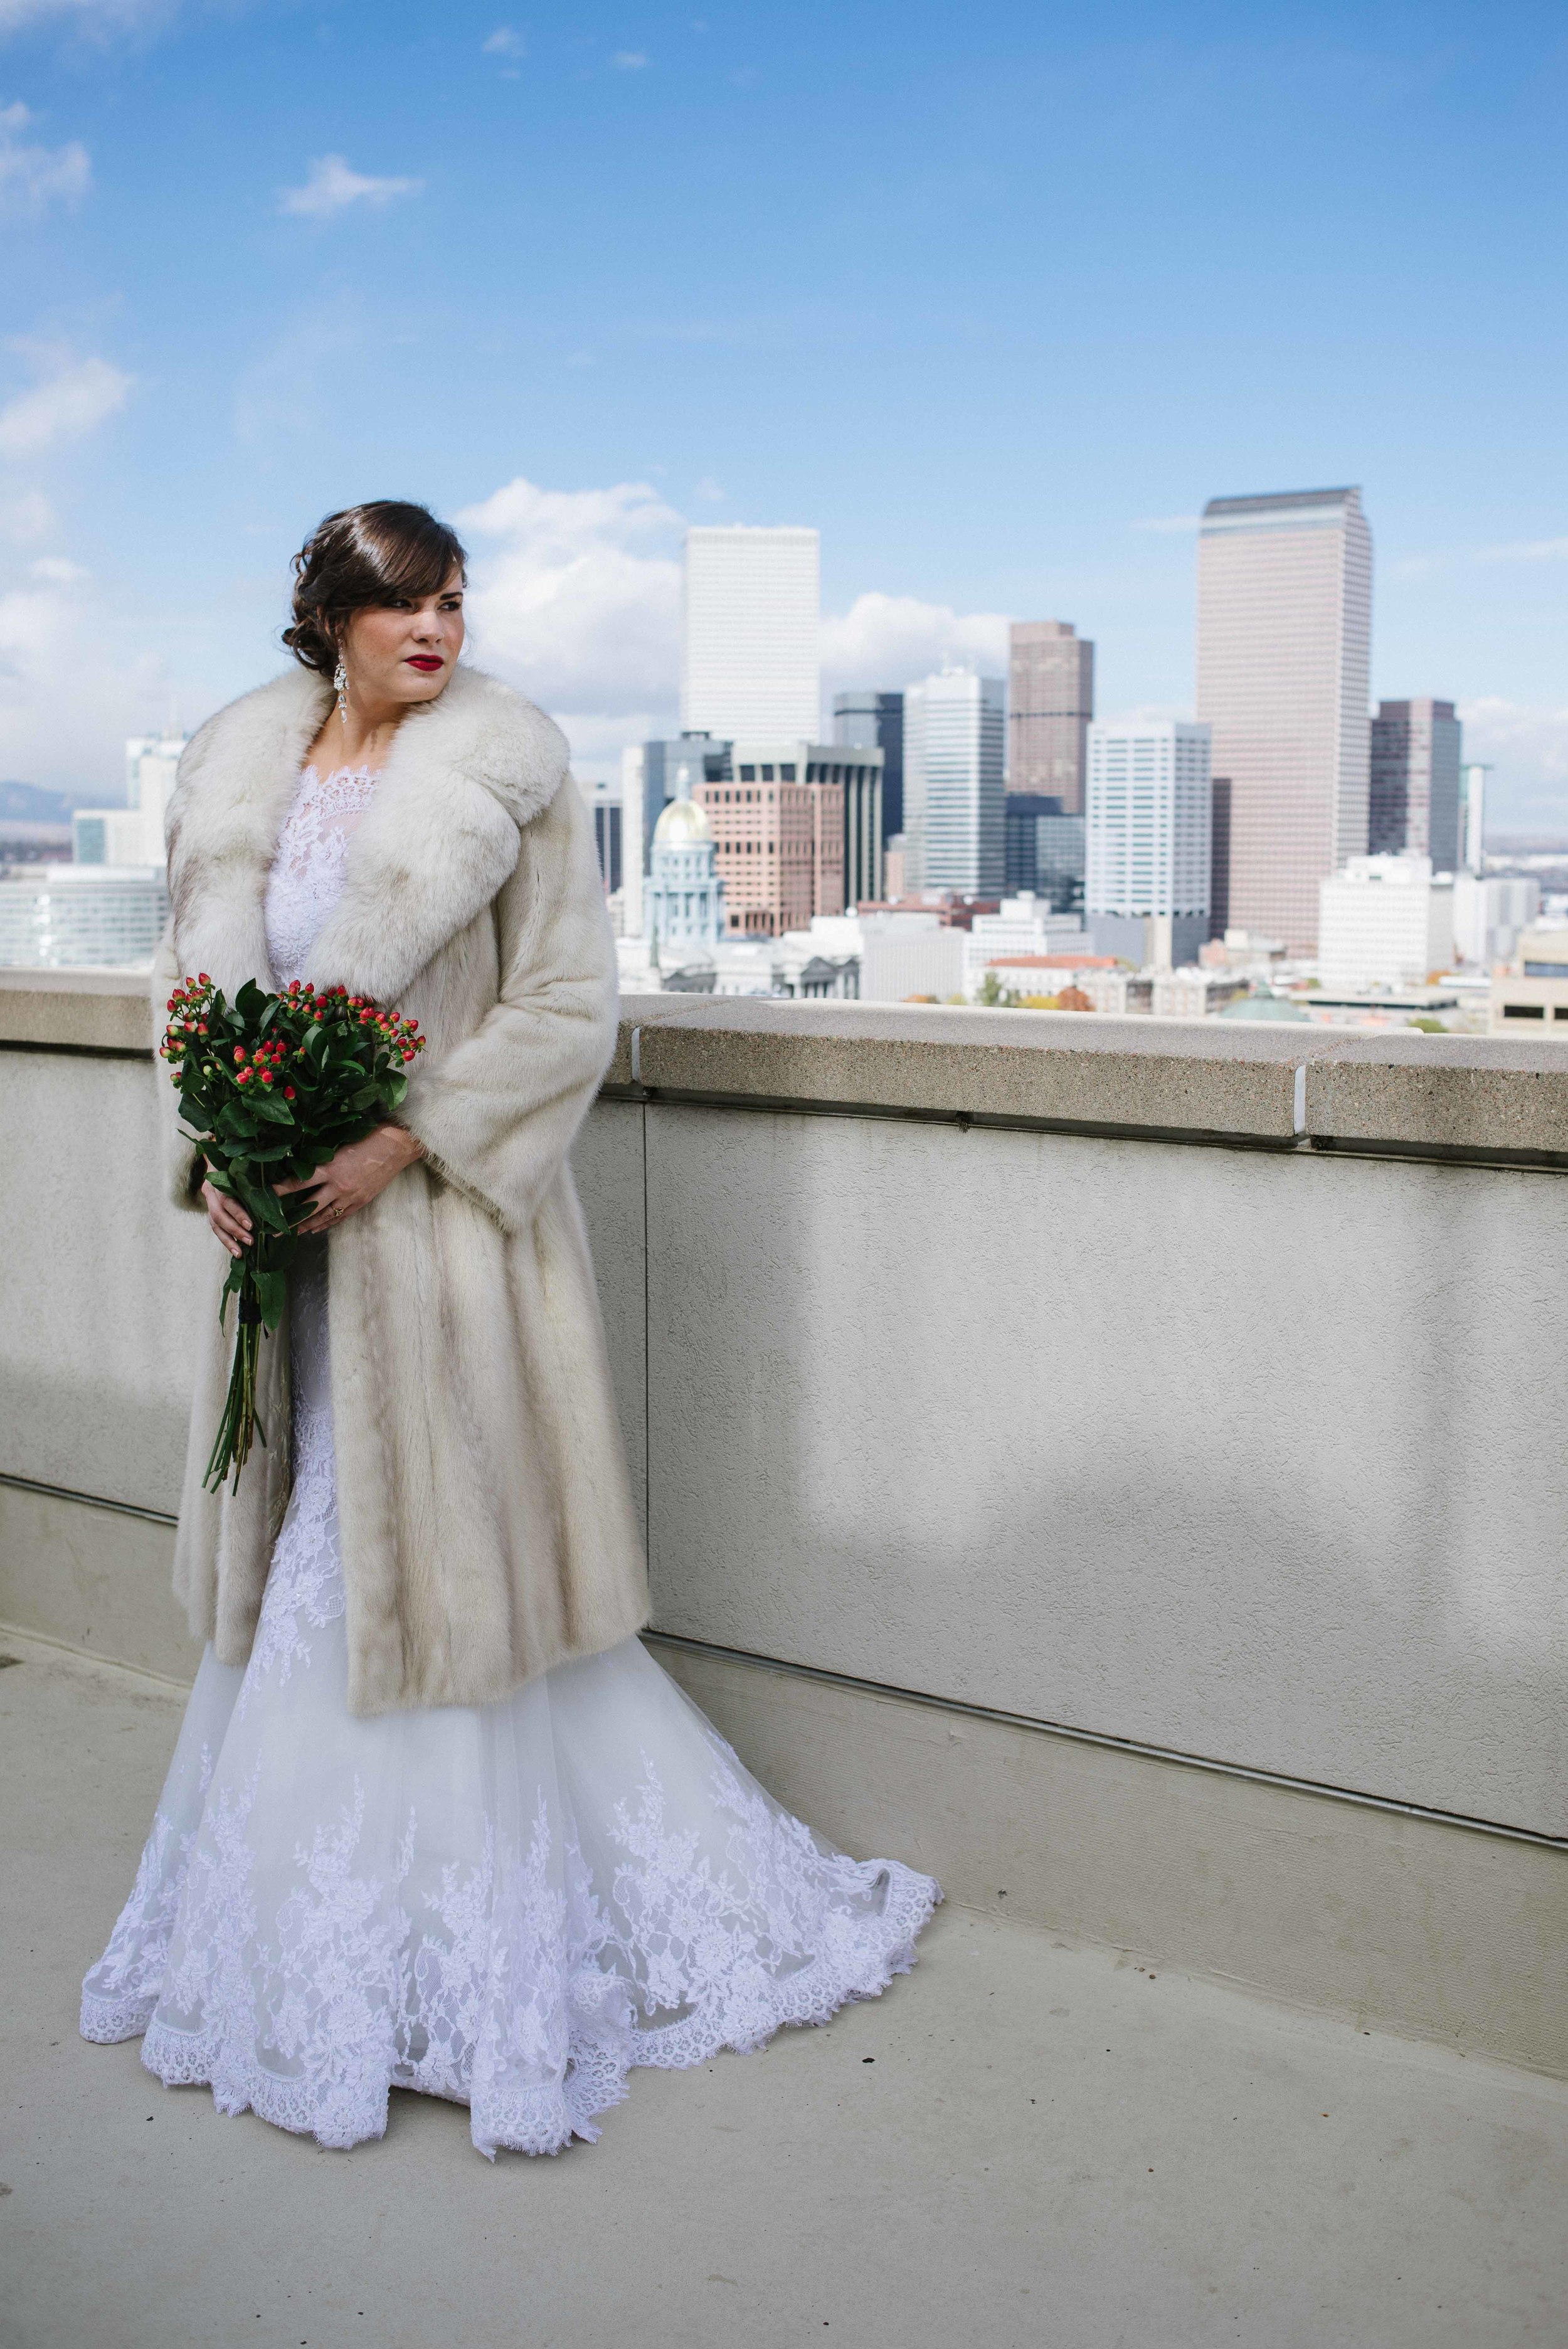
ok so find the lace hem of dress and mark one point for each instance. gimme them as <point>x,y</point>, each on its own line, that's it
<point>603,2043</point>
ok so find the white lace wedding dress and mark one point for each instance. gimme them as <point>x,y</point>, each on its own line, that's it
<point>508,1907</point>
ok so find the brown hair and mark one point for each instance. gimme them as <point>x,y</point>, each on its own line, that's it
<point>367,554</point>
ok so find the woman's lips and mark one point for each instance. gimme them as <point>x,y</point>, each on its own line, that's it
<point>427,661</point>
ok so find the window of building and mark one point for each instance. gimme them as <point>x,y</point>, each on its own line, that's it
<point>767,774</point>
<point>748,775</point>
<point>787,774</point>
<point>1524,1011</point>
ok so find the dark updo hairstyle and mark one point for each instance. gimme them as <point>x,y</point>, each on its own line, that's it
<point>364,555</point>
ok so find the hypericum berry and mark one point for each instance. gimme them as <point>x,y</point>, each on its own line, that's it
<point>288,1092</point>
<point>203,977</point>
<point>239,1052</point>
<point>244,1077</point>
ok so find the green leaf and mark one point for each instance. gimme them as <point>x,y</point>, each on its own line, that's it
<point>268,1105</point>
<point>272,1292</point>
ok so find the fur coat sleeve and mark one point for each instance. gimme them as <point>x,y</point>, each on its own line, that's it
<point>182,1162</point>
<point>497,1116</point>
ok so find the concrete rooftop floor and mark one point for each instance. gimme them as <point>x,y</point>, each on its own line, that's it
<point>1049,2145</point>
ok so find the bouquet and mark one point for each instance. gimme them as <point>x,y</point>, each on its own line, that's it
<point>270,1086</point>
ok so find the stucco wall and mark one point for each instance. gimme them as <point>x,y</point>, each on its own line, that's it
<point>1253,1453</point>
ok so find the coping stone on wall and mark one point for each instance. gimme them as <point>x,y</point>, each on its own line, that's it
<point>1071,1068</point>
<point>1443,1094</point>
<point>1262,1084</point>
<point>86,1010</point>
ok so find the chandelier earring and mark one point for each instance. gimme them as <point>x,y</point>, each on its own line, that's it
<point>340,686</point>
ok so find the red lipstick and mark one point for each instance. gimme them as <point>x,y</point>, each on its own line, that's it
<point>427,661</point>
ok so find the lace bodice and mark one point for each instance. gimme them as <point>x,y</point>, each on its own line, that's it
<point>306,878</point>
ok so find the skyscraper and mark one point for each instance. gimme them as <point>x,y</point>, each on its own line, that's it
<point>1149,840</point>
<point>1284,632</point>
<point>864,721</point>
<point>1050,706</point>
<point>750,660</point>
<point>778,826</point>
<point>1472,815</point>
<point>953,796</point>
<point>132,834</point>
<point>1415,791</point>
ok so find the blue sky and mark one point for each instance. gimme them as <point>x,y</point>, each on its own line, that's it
<point>996,298</point>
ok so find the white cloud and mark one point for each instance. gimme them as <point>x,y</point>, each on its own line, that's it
<point>710,491</point>
<point>26,518</point>
<point>56,571</point>
<point>87,15</point>
<point>576,597</point>
<point>504,42</point>
<point>73,681</point>
<point>32,178</point>
<point>1169,525</point>
<point>70,401</point>
<point>889,640</point>
<point>629,60</point>
<point>330,186</point>
<point>1527,550</point>
<point>579,598</point>
<point>1526,745</point>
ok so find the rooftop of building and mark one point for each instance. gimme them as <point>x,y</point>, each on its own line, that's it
<point>1278,500</point>
<point>1112,1464</point>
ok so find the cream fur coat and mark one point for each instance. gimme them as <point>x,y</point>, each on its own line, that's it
<point>486,1523</point>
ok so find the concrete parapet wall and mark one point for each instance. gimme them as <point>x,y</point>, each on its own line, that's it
<point>1186,1386</point>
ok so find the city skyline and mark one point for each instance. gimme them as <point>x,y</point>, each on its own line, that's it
<point>983,425</point>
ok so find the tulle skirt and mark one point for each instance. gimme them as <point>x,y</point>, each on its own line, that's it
<point>508,1905</point>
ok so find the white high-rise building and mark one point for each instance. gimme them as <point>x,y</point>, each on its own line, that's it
<point>1284,637</point>
<point>1472,815</point>
<point>1489,916</point>
<point>132,834</point>
<point>1384,921</point>
<point>750,662</point>
<point>62,917</point>
<point>1148,839</point>
<point>955,736</point>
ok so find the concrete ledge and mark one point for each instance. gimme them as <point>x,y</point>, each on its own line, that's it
<point>1266,1084</point>
<point>1403,1924</point>
<point>1441,1094</point>
<point>1051,1068</point>
<point>76,1010</point>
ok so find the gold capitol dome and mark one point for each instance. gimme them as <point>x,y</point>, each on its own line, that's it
<point>681,825</point>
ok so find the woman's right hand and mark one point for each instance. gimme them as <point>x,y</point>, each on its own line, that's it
<point>228,1219</point>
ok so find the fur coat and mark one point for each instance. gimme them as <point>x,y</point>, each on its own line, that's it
<point>485,1518</point>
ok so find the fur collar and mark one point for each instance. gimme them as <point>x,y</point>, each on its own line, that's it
<point>443,833</point>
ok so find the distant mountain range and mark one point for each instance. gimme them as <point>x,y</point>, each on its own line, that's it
<point>26,804</point>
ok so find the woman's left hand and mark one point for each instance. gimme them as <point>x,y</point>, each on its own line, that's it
<point>353,1178</point>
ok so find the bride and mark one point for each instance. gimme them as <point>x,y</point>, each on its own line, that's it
<point>435,1819</point>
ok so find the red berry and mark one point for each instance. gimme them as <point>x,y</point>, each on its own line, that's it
<point>239,1052</point>
<point>288,1092</point>
<point>203,977</point>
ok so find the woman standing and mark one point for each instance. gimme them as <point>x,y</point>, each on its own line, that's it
<point>435,1819</point>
